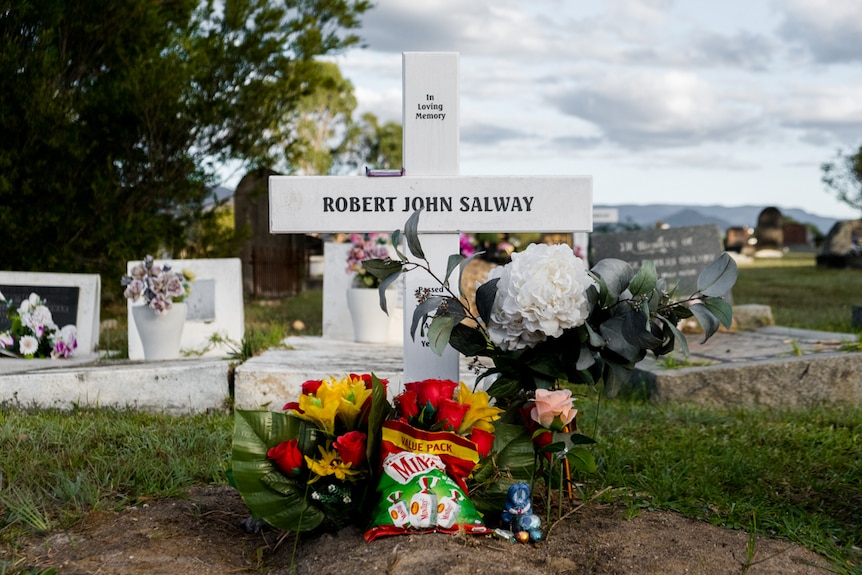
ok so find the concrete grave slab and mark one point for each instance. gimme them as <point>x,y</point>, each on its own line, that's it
<point>177,387</point>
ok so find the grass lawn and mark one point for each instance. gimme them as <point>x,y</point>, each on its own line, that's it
<point>801,294</point>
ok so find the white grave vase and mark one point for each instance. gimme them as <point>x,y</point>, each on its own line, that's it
<point>160,334</point>
<point>370,323</point>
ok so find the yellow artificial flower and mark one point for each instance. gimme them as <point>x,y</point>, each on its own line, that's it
<point>342,399</point>
<point>353,394</point>
<point>330,464</point>
<point>480,415</point>
<point>320,409</point>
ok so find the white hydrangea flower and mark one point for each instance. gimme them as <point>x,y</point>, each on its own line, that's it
<point>540,293</point>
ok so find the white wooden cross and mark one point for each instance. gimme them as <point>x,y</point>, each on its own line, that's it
<point>430,180</point>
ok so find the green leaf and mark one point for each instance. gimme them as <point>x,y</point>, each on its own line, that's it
<point>411,232</point>
<point>379,412</point>
<point>451,265</point>
<point>706,319</point>
<point>720,309</point>
<point>615,377</point>
<point>635,332</point>
<point>421,313</point>
<point>469,342</point>
<point>285,508</point>
<point>485,295</point>
<point>381,269</point>
<point>719,277</point>
<point>612,331</point>
<point>384,285</point>
<point>581,460</point>
<point>463,266</point>
<point>596,340</point>
<point>513,450</point>
<point>580,439</point>
<point>585,358</point>
<point>396,243</point>
<point>454,309</point>
<point>504,387</point>
<point>439,331</point>
<point>678,335</point>
<point>616,275</point>
<point>645,279</point>
<point>555,447</point>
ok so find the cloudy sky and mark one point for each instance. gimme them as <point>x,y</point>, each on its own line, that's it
<point>688,101</point>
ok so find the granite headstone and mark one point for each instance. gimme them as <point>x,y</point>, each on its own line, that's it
<point>679,254</point>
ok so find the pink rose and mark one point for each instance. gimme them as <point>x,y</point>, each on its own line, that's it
<point>553,409</point>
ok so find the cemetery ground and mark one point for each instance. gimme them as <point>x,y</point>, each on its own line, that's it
<point>680,487</point>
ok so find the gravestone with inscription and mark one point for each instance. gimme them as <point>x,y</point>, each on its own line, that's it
<point>215,307</point>
<point>430,182</point>
<point>678,253</point>
<point>72,298</point>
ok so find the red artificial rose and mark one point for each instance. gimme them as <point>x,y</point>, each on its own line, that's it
<point>543,439</point>
<point>484,441</point>
<point>450,413</point>
<point>311,386</point>
<point>431,391</point>
<point>407,404</point>
<point>351,448</point>
<point>529,423</point>
<point>292,406</point>
<point>287,457</point>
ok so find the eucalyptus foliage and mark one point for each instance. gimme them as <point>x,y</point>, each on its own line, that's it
<point>632,313</point>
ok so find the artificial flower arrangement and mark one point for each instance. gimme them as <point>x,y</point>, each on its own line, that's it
<point>546,322</point>
<point>365,247</point>
<point>159,286</point>
<point>33,333</point>
<point>312,463</point>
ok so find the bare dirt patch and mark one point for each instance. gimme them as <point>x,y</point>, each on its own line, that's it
<point>202,534</point>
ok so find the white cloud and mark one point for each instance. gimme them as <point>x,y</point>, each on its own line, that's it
<point>831,31</point>
<point>668,109</point>
<point>827,115</point>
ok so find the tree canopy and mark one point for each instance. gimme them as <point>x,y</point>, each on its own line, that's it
<point>844,177</point>
<point>115,117</point>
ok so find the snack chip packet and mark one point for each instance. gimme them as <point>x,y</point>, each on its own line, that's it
<point>422,483</point>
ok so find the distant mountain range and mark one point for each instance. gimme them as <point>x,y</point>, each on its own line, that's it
<point>675,215</point>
